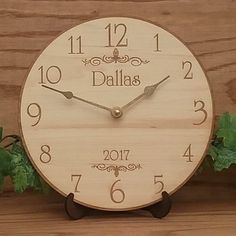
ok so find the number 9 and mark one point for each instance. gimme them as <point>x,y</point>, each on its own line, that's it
<point>34,111</point>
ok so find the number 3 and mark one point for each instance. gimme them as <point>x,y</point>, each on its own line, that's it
<point>201,108</point>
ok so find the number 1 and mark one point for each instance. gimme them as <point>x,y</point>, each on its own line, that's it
<point>157,43</point>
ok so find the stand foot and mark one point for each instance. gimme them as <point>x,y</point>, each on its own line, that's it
<point>161,209</point>
<point>74,210</point>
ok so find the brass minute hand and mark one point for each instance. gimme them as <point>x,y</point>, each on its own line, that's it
<point>70,95</point>
<point>148,91</point>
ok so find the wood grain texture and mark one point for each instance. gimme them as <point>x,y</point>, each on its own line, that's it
<point>31,214</point>
<point>207,26</point>
<point>156,144</point>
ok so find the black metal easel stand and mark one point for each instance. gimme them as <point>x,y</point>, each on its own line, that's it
<point>76,211</point>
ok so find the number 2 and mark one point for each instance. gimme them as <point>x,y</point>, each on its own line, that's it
<point>189,74</point>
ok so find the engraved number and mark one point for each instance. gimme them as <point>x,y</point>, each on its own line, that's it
<point>188,153</point>
<point>75,45</point>
<point>157,43</point>
<point>159,183</point>
<point>201,108</point>
<point>77,179</point>
<point>114,28</point>
<point>52,75</point>
<point>188,65</point>
<point>45,156</point>
<point>114,155</point>
<point>34,111</point>
<point>115,192</point>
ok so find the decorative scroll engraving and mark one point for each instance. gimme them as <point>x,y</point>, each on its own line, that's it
<point>95,61</point>
<point>116,168</point>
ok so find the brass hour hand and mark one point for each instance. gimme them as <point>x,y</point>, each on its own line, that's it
<point>70,95</point>
<point>148,91</point>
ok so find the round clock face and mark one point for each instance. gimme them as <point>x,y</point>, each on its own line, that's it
<point>116,110</point>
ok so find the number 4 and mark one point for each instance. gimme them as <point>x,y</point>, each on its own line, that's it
<point>188,153</point>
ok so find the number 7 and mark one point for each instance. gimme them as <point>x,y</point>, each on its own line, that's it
<point>77,177</point>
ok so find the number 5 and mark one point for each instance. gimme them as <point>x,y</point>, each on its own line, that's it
<point>158,182</point>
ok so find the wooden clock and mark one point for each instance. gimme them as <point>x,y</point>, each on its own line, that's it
<point>116,110</point>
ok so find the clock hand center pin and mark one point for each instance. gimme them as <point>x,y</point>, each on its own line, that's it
<point>116,112</point>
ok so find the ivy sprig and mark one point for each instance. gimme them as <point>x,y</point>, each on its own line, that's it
<point>223,149</point>
<point>15,163</point>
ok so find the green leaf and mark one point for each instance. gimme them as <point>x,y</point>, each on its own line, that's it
<point>33,180</point>
<point>222,157</point>
<point>19,179</point>
<point>45,188</point>
<point>15,163</point>
<point>16,148</point>
<point>5,162</point>
<point>1,182</point>
<point>227,130</point>
<point>213,152</point>
<point>1,133</point>
<point>205,165</point>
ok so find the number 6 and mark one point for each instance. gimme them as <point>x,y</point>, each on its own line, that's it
<point>118,190</point>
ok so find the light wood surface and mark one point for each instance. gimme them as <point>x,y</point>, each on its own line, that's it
<point>209,29</point>
<point>28,27</point>
<point>32,214</point>
<point>154,146</point>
